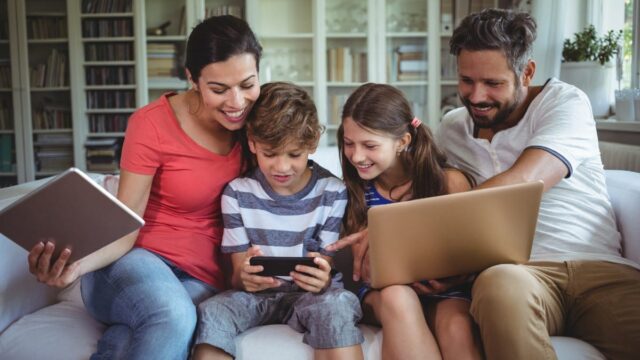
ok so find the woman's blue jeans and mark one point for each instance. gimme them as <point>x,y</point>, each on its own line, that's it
<point>148,304</point>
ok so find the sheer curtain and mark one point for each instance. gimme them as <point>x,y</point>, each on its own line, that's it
<point>551,17</point>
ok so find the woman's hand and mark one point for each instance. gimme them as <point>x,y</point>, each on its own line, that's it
<point>428,287</point>
<point>250,281</point>
<point>310,278</point>
<point>58,274</point>
<point>360,247</point>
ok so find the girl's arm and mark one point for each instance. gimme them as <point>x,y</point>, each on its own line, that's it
<point>133,191</point>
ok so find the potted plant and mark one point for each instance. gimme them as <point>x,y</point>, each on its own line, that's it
<point>586,63</point>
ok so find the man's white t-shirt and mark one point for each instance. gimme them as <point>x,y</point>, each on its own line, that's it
<point>576,220</point>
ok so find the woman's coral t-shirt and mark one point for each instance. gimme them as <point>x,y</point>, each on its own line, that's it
<point>183,217</point>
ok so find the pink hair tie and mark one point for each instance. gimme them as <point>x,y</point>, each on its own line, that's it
<point>416,122</point>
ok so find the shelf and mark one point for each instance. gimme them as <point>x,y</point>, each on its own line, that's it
<point>106,134</point>
<point>8,173</point>
<point>166,38</point>
<point>344,84</point>
<point>108,39</point>
<point>52,131</point>
<point>354,35</point>
<point>6,89</point>
<point>4,42</point>
<point>414,34</point>
<point>110,111</point>
<point>47,89</point>
<point>106,15</point>
<point>111,87</point>
<point>410,83</point>
<point>167,83</point>
<point>47,14</point>
<point>449,82</point>
<point>5,131</point>
<point>614,125</point>
<point>109,63</point>
<point>48,41</point>
<point>285,36</point>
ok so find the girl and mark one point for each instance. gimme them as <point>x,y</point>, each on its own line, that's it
<point>179,153</point>
<point>387,155</point>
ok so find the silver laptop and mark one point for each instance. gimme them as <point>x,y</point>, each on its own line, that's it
<point>71,209</point>
<point>454,234</point>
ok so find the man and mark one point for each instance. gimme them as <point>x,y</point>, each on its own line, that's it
<point>576,283</point>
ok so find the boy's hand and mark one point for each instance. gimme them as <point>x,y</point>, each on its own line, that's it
<point>313,279</point>
<point>250,281</point>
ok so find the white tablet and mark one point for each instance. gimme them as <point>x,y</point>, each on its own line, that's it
<point>71,209</point>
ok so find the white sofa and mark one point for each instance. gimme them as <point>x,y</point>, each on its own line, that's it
<point>37,322</point>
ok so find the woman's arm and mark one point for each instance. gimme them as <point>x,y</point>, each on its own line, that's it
<point>133,191</point>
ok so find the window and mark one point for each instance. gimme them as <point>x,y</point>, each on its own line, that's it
<point>630,46</point>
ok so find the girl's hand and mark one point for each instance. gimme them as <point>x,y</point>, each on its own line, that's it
<point>59,274</point>
<point>250,281</point>
<point>428,287</point>
<point>360,247</point>
<point>310,278</point>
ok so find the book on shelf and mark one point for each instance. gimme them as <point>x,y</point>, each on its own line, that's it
<point>223,10</point>
<point>46,27</point>
<point>335,108</point>
<point>53,73</point>
<point>5,74</point>
<point>346,65</point>
<point>106,6</point>
<point>409,62</point>
<point>6,114</point>
<point>53,140</point>
<point>103,154</point>
<point>52,117</point>
<point>6,152</point>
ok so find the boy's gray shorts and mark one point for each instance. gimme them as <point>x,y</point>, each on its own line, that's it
<point>328,320</point>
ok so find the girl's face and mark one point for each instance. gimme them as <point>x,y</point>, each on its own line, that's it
<point>228,89</point>
<point>371,153</point>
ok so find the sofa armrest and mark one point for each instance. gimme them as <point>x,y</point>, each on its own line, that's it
<point>624,192</point>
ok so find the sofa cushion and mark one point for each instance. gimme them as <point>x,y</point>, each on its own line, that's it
<point>624,192</point>
<point>62,331</point>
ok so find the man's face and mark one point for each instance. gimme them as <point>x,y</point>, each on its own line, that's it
<point>488,87</point>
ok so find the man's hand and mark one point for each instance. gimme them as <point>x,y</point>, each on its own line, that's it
<point>250,281</point>
<point>310,278</point>
<point>59,274</point>
<point>360,246</point>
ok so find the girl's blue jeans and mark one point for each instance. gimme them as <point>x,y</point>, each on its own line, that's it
<point>148,304</point>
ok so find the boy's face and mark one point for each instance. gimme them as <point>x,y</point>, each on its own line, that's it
<point>285,168</point>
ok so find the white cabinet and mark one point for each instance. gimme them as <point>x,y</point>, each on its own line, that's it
<point>114,56</point>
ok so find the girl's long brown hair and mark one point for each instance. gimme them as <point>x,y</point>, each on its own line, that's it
<point>382,108</point>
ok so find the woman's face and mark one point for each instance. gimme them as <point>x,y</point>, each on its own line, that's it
<point>228,89</point>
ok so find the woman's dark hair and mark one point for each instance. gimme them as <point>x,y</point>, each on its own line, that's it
<point>496,29</point>
<point>217,39</point>
<point>382,108</point>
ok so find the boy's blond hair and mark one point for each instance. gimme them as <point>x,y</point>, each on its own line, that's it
<point>284,113</point>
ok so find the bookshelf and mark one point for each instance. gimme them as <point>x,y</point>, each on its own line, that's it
<point>43,79</point>
<point>115,56</point>
<point>109,96</point>
<point>10,130</point>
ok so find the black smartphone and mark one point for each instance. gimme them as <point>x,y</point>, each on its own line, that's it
<point>280,265</point>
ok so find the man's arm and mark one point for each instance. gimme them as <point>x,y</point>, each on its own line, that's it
<point>533,164</point>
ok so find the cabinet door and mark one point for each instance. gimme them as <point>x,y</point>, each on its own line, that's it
<point>46,99</point>
<point>165,34</point>
<point>110,83</point>
<point>11,156</point>
<point>349,35</point>
<point>403,36</point>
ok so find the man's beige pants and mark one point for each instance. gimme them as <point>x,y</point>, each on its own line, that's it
<point>518,307</point>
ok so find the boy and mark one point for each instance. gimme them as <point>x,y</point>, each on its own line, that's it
<point>287,206</point>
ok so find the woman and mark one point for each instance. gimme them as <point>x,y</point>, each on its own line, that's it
<point>179,153</point>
